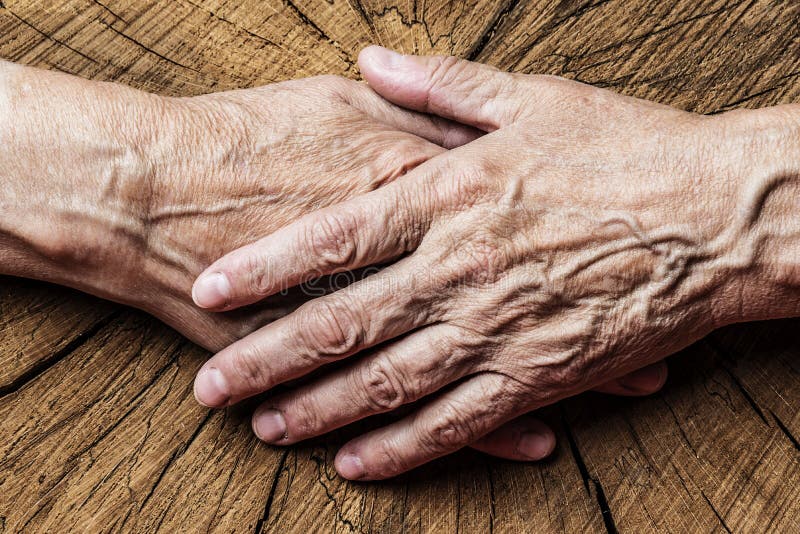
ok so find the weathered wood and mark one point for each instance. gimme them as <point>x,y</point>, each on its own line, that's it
<point>98,428</point>
<point>41,324</point>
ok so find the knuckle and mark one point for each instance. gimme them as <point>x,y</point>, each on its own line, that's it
<point>408,223</point>
<point>467,350</point>
<point>568,374</point>
<point>257,279</point>
<point>481,260</point>
<point>468,185</point>
<point>332,241</point>
<point>304,417</point>
<point>382,387</point>
<point>249,369</point>
<point>561,370</point>
<point>450,430</point>
<point>329,328</point>
<point>388,460</point>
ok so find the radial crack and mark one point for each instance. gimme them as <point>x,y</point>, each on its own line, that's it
<point>45,364</point>
<point>599,493</point>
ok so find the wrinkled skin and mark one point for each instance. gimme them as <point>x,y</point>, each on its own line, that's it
<point>129,196</point>
<point>589,234</point>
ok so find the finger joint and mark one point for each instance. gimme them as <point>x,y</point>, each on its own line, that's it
<point>248,366</point>
<point>332,242</point>
<point>382,387</point>
<point>329,328</point>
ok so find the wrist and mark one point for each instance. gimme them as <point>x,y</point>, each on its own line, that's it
<point>763,256</point>
<point>74,177</point>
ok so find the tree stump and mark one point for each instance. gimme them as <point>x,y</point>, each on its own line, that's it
<point>98,427</point>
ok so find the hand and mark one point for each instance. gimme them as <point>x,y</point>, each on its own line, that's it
<point>129,196</point>
<point>588,235</point>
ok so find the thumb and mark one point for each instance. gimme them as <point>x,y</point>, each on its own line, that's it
<point>464,91</point>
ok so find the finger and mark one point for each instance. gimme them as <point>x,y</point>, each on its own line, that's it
<point>454,420</point>
<point>523,439</point>
<point>464,91</point>
<point>402,372</point>
<point>527,438</point>
<point>323,330</point>
<point>442,132</point>
<point>369,229</point>
<point>644,381</point>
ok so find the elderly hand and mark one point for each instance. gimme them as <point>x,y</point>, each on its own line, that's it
<point>129,195</point>
<point>587,235</point>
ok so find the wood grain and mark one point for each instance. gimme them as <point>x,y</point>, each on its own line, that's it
<point>98,427</point>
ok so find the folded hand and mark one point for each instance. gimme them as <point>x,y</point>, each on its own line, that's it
<point>587,235</point>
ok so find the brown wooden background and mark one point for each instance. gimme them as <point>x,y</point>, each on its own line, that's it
<point>98,427</point>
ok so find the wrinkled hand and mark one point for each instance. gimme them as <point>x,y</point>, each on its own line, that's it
<point>130,196</point>
<point>294,147</point>
<point>229,167</point>
<point>589,234</point>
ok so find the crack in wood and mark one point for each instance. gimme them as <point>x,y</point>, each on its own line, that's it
<point>750,401</point>
<point>109,11</point>
<point>320,32</point>
<point>579,11</point>
<point>599,493</point>
<point>42,366</point>
<point>321,462</point>
<point>404,508</point>
<point>147,49</point>
<point>224,490</point>
<point>357,6</point>
<point>680,427</point>
<point>608,519</point>
<point>492,500</point>
<point>177,453</point>
<point>576,454</point>
<point>491,29</point>
<point>235,25</point>
<point>716,513</point>
<point>50,37</point>
<point>271,495</point>
<point>785,430</point>
<point>690,493</point>
<point>748,98</point>
<point>724,357</point>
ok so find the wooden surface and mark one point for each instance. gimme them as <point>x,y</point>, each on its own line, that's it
<point>98,428</point>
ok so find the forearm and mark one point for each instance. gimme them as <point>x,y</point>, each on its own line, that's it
<point>71,171</point>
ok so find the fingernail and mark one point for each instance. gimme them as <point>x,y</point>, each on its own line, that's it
<point>647,379</point>
<point>384,57</point>
<point>211,388</point>
<point>350,467</point>
<point>535,446</point>
<point>211,290</point>
<point>269,425</point>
